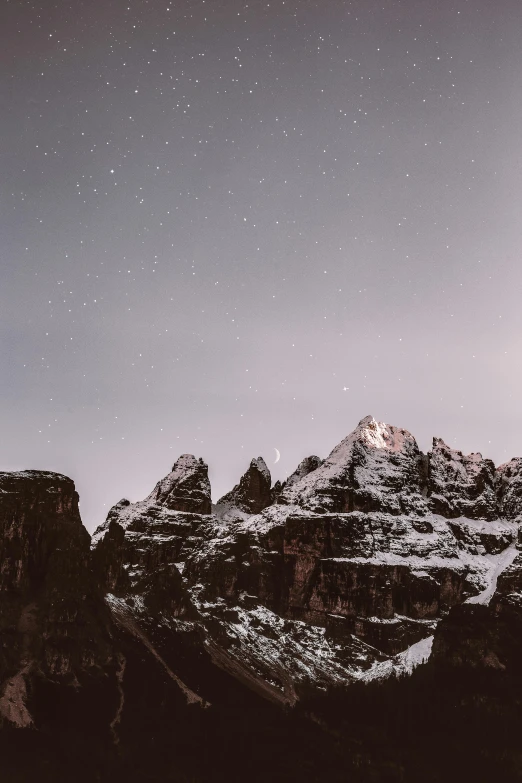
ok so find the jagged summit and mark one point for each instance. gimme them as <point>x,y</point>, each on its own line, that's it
<point>378,434</point>
<point>252,494</point>
<point>260,464</point>
<point>376,467</point>
<point>186,488</point>
<point>306,466</point>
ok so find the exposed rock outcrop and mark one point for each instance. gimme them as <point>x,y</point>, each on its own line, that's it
<point>485,632</point>
<point>53,623</point>
<point>186,488</point>
<point>509,489</point>
<point>376,468</point>
<point>306,466</point>
<point>253,492</point>
<point>460,485</point>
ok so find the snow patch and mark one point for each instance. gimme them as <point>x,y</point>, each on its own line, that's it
<point>401,664</point>
<point>503,561</point>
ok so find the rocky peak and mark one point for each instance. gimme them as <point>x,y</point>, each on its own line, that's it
<point>186,488</point>
<point>508,482</point>
<point>252,494</point>
<point>306,466</point>
<point>461,485</point>
<point>378,435</point>
<point>375,468</point>
<point>260,465</point>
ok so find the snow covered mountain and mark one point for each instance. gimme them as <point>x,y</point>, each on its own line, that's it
<point>374,564</point>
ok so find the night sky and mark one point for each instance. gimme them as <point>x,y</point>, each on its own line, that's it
<point>232,227</point>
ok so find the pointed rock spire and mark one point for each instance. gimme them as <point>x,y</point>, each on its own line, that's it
<point>252,494</point>
<point>306,466</point>
<point>186,488</point>
<point>375,468</point>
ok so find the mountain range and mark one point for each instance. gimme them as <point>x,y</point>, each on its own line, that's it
<point>361,621</point>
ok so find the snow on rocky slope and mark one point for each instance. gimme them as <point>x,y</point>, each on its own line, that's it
<point>377,467</point>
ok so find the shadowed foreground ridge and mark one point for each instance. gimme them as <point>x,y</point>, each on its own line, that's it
<point>360,621</point>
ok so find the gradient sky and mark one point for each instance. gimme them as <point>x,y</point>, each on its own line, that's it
<point>228,227</point>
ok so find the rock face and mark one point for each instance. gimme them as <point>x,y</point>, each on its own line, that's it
<point>186,488</point>
<point>306,466</point>
<point>253,493</point>
<point>139,546</point>
<point>376,468</point>
<point>461,485</point>
<point>53,623</point>
<point>355,569</point>
<point>38,514</point>
<point>509,488</point>
<point>485,634</point>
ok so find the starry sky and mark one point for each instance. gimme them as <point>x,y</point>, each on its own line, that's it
<point>229,227</point>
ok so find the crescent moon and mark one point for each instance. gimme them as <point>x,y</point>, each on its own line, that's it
<point>278,456</point>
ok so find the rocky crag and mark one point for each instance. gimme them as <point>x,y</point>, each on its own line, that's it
<point>376,564</point>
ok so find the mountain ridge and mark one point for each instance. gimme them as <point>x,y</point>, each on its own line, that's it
<point>358,570</point>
